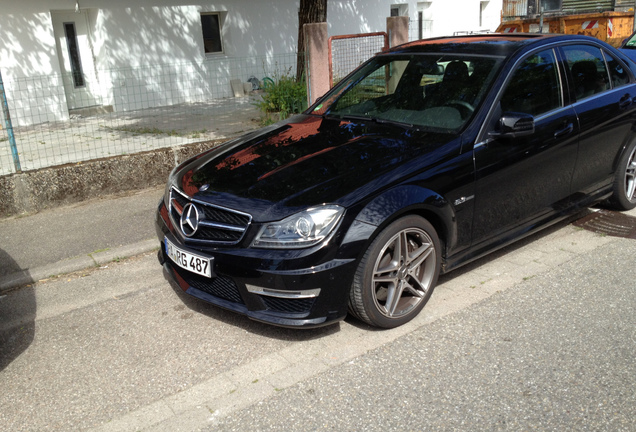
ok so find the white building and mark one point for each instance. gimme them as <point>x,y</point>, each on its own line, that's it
<point>58,56</point>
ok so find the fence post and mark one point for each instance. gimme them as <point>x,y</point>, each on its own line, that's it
<point>7,121</point>
<point>398,30</point>
<point>317,49</point>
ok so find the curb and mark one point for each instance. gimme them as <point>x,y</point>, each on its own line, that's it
<point>30,276</point>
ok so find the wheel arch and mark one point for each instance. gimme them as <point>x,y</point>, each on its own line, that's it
<point>629,139</point>
<point>622,199</point>
<point>406,200</point>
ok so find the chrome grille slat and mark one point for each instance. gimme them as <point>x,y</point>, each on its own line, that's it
<point>222,226</point>
<point>217,225</point>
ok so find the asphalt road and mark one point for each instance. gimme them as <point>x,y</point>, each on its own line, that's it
<point>540,336</point>
<point>555,352</point>
<point>74,237</point>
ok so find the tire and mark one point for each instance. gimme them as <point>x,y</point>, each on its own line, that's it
<point>624,192</point>
<point>397,274</point>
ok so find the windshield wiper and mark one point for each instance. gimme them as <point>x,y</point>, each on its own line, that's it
<point>394,122</point>
<point>374,119</point>
<point>353,117</point>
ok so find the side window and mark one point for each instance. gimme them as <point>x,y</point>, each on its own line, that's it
<point>211,25</point>
<point>587,68</point>
<point>618,74</point>
<point>535,86</point>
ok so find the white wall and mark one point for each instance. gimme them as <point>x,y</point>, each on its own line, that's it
<point>138,50</point>
<point>450,16</point>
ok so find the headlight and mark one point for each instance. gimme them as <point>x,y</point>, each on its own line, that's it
<point>301,230</point>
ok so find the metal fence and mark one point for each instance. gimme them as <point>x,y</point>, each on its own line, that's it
<point>132,110</point>
<point>349,51</point>
<point>420,29</point>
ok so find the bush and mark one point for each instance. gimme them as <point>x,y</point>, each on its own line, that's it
<point>284,95</point>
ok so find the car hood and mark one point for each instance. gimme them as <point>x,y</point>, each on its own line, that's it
<point>309,160</point>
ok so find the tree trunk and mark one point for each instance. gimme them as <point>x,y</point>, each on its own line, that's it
<point>310,11</point>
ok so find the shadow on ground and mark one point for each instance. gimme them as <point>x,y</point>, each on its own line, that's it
<point>17,315</point>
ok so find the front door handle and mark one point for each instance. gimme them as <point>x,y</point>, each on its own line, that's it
<point>565,131</point>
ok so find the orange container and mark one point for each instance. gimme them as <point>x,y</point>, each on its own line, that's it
<point>611,27</point>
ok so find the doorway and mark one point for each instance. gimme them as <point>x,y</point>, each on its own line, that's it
<point>424,20</point>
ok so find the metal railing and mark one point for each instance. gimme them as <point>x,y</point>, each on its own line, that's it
<point>347,52</point>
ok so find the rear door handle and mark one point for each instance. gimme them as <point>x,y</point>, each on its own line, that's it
<point>625,101</point>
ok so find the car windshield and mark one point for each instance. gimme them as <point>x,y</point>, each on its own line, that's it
<point>429,91</point>
<point>630,43</point>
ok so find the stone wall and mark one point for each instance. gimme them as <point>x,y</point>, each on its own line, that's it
<point>32,191</point>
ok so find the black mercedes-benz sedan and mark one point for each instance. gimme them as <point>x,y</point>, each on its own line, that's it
<point>426,157</point>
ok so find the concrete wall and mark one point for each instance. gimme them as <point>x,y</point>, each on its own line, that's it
<point>33,191</point>
<point>135,49</point>
<point>449,16</point>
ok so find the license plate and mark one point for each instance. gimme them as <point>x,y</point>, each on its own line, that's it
<point>189,261</point>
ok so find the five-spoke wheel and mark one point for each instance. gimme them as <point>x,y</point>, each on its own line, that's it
<point>397,274</point>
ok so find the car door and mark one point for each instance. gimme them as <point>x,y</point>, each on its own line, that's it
<point>604,92</point>
<point>523,176</point>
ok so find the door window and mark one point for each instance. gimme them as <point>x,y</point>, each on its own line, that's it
<point>74,55</point>
<point>588,70</point>
<point>618,74</point>
<point>535,87</point>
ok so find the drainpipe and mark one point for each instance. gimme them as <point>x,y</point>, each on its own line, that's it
<point>9,126</point>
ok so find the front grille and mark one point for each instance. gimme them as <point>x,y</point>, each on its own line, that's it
<point>220,286</point>
<point>216,225</point>
<point>295,306</point>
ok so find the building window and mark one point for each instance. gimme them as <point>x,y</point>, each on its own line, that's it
<point>211,25</point>
<point>399,10</point>
<point>551,5</point>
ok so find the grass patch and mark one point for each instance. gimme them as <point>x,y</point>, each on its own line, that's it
<point>284,95</point>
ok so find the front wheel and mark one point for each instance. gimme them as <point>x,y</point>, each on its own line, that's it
<point>397,274</point>
<point>624,193</point>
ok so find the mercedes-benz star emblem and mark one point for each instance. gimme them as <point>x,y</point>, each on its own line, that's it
<point>189,220</point>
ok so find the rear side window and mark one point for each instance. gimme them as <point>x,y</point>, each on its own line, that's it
<point>617,72</point>
<point>535,87</point>
<point>588,70</point>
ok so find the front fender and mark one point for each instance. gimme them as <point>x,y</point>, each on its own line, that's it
<point>399,201</point>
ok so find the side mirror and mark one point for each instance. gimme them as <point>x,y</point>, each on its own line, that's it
<point>513,125</point>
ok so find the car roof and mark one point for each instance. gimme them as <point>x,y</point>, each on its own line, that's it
<point>496,44</point>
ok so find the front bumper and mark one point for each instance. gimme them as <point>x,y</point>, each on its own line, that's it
<point>261,284</point>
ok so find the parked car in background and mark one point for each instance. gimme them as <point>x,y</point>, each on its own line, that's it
<point>426,157</point>
<point>628,47</point>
